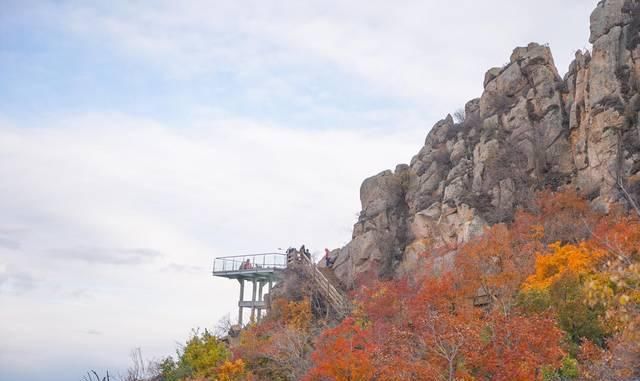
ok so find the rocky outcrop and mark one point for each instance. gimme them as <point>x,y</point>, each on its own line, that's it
<point>380,235</point>
<point>530,130</point>
<point>603,103</point>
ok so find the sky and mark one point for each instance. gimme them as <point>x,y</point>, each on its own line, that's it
<point>141,139</point>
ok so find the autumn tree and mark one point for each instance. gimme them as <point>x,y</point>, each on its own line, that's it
<point>200,357</point>
<point>561,300</point>
<point>279,347</point>
<point>446,327</point>
<point>558,284</point>
<point>617,285</point>
<point>564,216</point>
<point>620,361</point>
<point>517,347</point>
<point>493,267</point>
<point>232,371</point>
<point>343,353</point>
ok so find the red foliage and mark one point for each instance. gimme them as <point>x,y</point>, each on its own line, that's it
<point>431,331</point>
<point>515,347</point>
<point>494,266</point>
<point>343,353</point>
<point>429,327</point>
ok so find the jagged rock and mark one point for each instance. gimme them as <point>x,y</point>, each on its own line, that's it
<point>458,151</point>
<point>361,255</point>
<point>483,153</point>
<point>607,15</point>
<point>491,75</point>
<point>603,89</point>
<point>472,108</point>
<point>504,195</point>
<point>603,83</point>
<point>509,83</point>
<point>380,193</point>
<point>440,131</point>
<point>529,130</point>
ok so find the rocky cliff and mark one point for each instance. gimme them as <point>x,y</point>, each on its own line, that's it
<point>530,130</point>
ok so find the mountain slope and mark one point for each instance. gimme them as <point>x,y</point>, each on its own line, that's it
<point>530,130</point>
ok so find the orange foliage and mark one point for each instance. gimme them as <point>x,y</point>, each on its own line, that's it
<point>232,371</point>
<point>517,347</point>
<point>297,315</point>
<point>562,259</point>
<point>617,284</point>
<point>494,266</point>
<point>619,236</point>
<point>427,327</point>
<point>619,362</point>
<point>255,342</point>
<point>278,347</point>
<point>565,216</point>
<point>343,353</point>
<point>430,331</point>
<point>447,328</point>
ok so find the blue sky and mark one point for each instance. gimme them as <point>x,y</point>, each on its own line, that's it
<point>139,140</point>
<point>76,67</point>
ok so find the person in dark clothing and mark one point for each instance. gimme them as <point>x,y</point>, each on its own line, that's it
<point>304,251</point>
<point>291,255</point>
<point>327,258</point>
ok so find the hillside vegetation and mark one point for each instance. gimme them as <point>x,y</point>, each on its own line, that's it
<point>554,295</point>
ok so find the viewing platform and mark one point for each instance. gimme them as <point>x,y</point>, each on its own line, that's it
<point>265,270</point>
<point>263,266</point>
<point>260,270</point>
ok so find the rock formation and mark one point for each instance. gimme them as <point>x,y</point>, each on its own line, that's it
<point>530,130</point>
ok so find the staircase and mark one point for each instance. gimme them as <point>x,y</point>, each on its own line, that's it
<point>335,298</point>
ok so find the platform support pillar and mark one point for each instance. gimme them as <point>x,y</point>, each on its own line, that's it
<point>253,301</point>
<point>269,289</point>
<point>260,298</point>
<point>240,301</point>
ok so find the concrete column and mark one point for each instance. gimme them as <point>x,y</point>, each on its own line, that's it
<point>240,301</point>
<point>260,299</point>
<point>253,301</point>
<point>270,285</point>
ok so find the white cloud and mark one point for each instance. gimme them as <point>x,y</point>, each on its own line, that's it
<point>94,191</point>
<point>101,255</point>
<point>152,202</point>
<point>434,53</point>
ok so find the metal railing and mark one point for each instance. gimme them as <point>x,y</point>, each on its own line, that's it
<point>251,262</point>
<point>336,299</point>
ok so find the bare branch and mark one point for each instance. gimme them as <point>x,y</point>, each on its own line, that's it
<point>628,196</point>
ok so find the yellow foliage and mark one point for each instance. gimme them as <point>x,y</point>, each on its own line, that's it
<point>578,259</point>
<point>618,289</point>
<point>537,232</point>
<point>296,315</point>
<point>232,371</point>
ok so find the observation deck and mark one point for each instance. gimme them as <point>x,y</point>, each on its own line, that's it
<point>260,270</point>
<point>252,266</point>
<point>264,270</point>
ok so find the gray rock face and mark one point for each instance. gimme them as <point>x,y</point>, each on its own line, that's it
<point>602,104</point>
<point>608,14</point>
<point>380,234</point>
<point>528,131</point>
